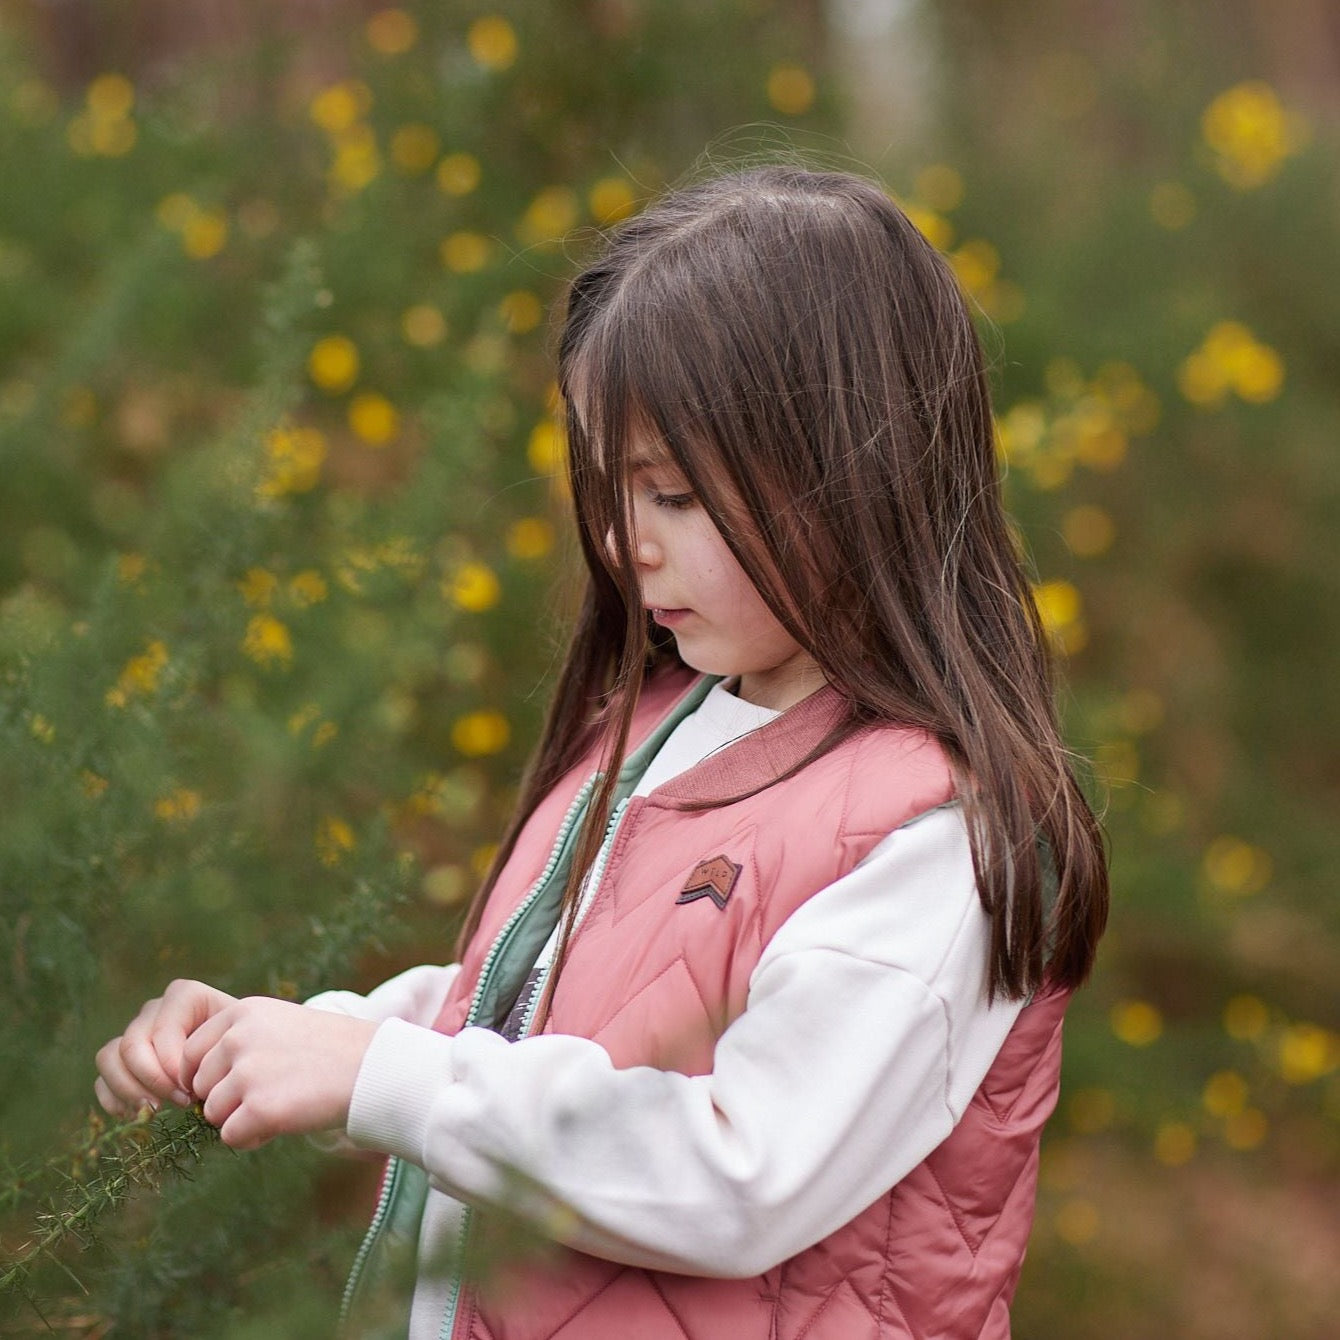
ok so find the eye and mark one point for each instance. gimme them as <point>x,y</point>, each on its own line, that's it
<point>674,501</point>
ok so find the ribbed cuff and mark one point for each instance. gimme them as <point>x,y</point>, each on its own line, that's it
<point>403,1070</point>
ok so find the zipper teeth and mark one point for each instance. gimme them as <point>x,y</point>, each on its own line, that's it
<point>393,1177</point>
<point>588,895</point>
<point>555,852</point>
<point>458,1274</point>
<point>501,939</point>
<point>365,1248</point>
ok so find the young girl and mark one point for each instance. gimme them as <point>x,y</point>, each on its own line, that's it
<point>757,1016</point>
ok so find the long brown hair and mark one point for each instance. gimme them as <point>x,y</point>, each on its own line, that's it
<point>807,361</point>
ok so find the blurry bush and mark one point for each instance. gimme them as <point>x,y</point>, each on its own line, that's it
<point>278,539</point>
<point>1145,202</point>
<point>280,523</point>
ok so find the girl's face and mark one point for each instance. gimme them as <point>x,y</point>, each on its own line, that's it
<point>694,586</point>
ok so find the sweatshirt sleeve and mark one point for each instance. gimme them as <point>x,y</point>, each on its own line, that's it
<point>866,1032</point>
<point>415,995</point>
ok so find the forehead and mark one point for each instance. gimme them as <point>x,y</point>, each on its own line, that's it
<point>629,444</point>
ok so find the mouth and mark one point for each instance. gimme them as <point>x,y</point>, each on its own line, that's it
<point>667,618</point>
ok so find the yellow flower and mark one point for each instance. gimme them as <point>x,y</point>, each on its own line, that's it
<point>308,587</point>
<point>480,733</point>
<point>178,806</point>
<point>1307,1052</point>
<point>1251,133</point>
<point>492,42</point>
<point>1136,1022</point>
<point>357,162</point>
<point>465,252</point>
<point>391,32</point>
<point>139,676</point>
<point>1236,867</point>
<point>334,840</point>
<point>258,587</point>
<point>975,264</point>
<point>1259,375</point>
<point>267,641</point>
<point>373,418</point>
<point>521,311</point>
<point>423,326</point>
<point>530,537</point>
<point>458,174</point>
<point>42,729</point>
<point>1098,442</point>
<point>295,459</point>
<point>333,363</point>
<point>92,785</point>
<point>1225,1093</point>
<point>414,148</point>
<point>791,89</point>
<point>1231,358</point>
<point>935,228</point>
<point>1088,531</point>
<point>445,885</point>
<point>473,587</point>
<point>205,235</point>
<point>1060,608</point>
<point>610,200</point>
<point>336,108</point>
<point>106,127</point>
<point>550,215</point>
<point>547,450</point>
<point>110,96</point>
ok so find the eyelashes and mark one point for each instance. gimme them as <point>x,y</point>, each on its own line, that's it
<point>675,502</point>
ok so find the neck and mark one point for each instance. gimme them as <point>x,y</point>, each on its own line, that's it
<point>783,686</point>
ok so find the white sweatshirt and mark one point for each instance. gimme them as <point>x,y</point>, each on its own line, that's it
<point>865,1034</point>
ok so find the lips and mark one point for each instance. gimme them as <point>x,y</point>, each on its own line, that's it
<point>667,618</point>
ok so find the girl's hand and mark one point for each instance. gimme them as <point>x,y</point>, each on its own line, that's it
<point>142,1067</point>
<point>265,1067</point>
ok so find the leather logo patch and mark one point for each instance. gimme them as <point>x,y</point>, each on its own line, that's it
<point>713,878</point>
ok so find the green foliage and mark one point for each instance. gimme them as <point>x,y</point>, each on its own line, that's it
<point>280,535</point>
<point>278,544</point>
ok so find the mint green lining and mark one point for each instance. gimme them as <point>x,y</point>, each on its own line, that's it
<point>527,937</point>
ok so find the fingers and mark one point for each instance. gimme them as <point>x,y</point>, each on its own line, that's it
<point>116,1090</point>
<point>139,1058</point>
<point>203,1062</point>
<point>143,1065</point>
<point>186,1005</point>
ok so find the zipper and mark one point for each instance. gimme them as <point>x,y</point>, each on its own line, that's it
<point>593,885</point>
<point>392,1181</point>
<point>510,925</point>
<point>389,1184</point>
<point>588,897</point>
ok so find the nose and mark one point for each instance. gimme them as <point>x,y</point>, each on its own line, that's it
<point>646,552</point>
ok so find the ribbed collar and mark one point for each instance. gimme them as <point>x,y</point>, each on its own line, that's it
<point>756,758</point>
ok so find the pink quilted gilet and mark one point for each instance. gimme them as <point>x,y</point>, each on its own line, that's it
<point>656,981</point>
